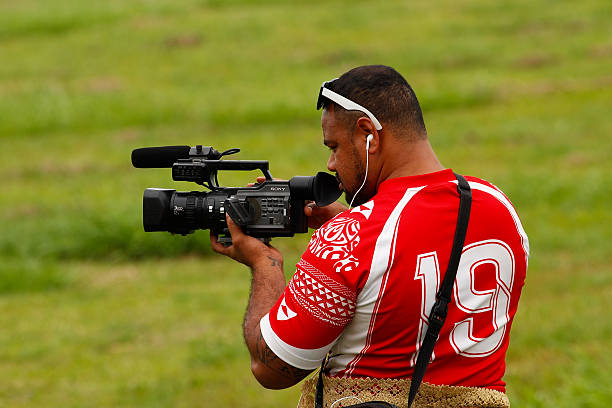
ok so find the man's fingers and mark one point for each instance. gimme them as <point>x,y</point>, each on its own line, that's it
<point>216,245</point>
<point>308,209</point>
<point>234,229</point>
<point>260,179</point>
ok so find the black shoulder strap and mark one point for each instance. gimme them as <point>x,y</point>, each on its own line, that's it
<point>319,389</point>
<point>443,297</point>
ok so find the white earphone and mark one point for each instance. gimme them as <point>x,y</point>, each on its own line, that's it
<point>368,140</point>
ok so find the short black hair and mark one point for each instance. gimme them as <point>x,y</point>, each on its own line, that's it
<point>385,93</point>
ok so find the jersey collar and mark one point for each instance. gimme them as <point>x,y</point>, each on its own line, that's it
<point>416,181</point>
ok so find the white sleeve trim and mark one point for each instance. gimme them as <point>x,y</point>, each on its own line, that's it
<point>306,359</point>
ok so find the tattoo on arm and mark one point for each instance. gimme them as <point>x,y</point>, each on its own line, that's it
<point>275,262</point>
<point>270,360</point>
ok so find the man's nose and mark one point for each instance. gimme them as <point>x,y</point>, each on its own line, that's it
<point>331,163</point>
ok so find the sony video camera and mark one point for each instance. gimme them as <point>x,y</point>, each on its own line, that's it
<point>271,209</point>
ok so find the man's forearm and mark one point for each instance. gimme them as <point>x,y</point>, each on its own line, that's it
<point>267,286</point>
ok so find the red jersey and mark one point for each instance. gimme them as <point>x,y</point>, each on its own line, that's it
<point>365,286</point>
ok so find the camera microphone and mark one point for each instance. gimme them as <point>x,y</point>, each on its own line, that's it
<point>156,157</point>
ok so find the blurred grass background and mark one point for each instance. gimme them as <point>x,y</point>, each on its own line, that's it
<point>94,312</point>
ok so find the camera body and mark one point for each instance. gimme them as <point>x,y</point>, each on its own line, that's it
<point>273,208</point>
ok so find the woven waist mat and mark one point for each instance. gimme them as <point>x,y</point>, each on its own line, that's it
<point>342,392</point>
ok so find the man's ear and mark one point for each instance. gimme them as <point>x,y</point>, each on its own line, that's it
<point>363,128</point>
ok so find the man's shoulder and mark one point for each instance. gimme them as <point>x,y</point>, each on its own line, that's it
<point>492,204</point>
<point>482,182</point>
<point>490,192</point>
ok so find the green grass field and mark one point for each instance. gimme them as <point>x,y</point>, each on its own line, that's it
<point>96,313</point>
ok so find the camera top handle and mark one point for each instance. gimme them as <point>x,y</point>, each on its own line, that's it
<point>240,165</point>
<point>204,172</point>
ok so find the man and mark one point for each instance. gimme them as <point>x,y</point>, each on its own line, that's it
<point>363,289</point>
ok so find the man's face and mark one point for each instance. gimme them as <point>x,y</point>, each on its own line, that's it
<point>344,159</point>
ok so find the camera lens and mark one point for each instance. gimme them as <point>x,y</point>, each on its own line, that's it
<point>182,212</point>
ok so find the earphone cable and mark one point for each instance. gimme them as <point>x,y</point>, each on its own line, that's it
<point>366,172</point>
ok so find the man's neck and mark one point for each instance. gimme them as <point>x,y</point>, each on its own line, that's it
<point>410,160</point>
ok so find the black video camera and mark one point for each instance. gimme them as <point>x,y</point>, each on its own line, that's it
<point>270,209</point>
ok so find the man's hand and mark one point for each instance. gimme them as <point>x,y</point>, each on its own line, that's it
<point>260,180</point>
<point>318,216</point>
<point>245,249</point>
<point>268,284</point>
